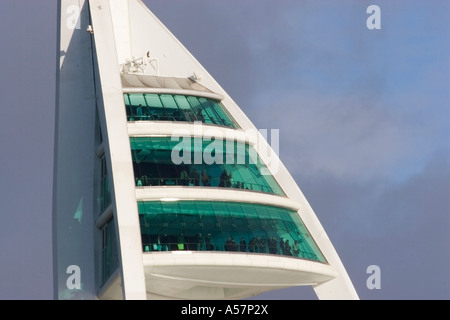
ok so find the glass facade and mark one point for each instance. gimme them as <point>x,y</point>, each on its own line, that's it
<point>191,161</point>
<point>195,162</point>
<point>104,200</point>
<point>170,107</point>
<point>110,255</point>
<point>225,226</point>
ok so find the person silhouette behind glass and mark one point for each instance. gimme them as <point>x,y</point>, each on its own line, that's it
<point>176,115</point>
<point>243,245</point>
<point>273,245</point>
<point>165,242</point>
<point>209,245</point>
<point>181,241</point>
<point>184,177</point>
<point>223,178</point>
<point>205,178</point>
<point>140,112</point>
<point>200,116</point>
<point>287,248</point>
<point>199,239</point>
<point>296,248</point>
<point>195,177</point>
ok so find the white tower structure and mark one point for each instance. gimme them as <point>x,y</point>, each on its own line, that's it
<point>164,189</point>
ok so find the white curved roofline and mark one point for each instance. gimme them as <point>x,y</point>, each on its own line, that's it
<point>211,95</point>
<point>140,83</point>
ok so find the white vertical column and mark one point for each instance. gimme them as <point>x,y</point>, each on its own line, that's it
<point>117,146</point>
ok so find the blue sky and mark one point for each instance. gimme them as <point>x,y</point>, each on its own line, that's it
<point>363,118</point>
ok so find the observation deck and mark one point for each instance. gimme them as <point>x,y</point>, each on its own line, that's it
<point>215,223</point>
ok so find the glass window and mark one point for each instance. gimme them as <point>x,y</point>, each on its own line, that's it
<point>129,108</point>
<point>226,226</point>
<point>168,107</point>
<point>153,101</point>
<point>209,111</point>
<point>137,99</point>
<point>104,197</point>
<point>171,111</point>
<point>155,108</point>
<point>188,162</point>
<point>168,101</point>
<point>182,102</point>
<point>110,258</point>
<point>221,113</point>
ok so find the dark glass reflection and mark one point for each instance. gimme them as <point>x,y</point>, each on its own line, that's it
<point>225,226</point>
<point>110,255</point>
<point>191,162</point>
<point>169,107</point>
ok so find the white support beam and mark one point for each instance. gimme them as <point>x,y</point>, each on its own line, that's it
<point>118,149</point>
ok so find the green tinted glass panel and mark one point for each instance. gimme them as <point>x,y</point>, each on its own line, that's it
<point>204,208</point>
<point>194,102</point>
<point>222,114</point>
<point>169,107</point>
<point>209,111</point>
<point>153,100</point>
<point>110,257</point>
<point>226,226</point>
<point>170,207</point>
<point>196,162</point>
<point>182,102</point>
<point>136,100</point>
<point>168,101</point>
<point>151,207</point>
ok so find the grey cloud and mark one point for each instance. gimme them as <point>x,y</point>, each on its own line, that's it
<point>400,226</point>
<point>345,136</point>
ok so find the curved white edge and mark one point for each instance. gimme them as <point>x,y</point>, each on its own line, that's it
<point>196,129</point>
<point>175,193</point>
<point>255,269</point>
<point>212,95</point>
